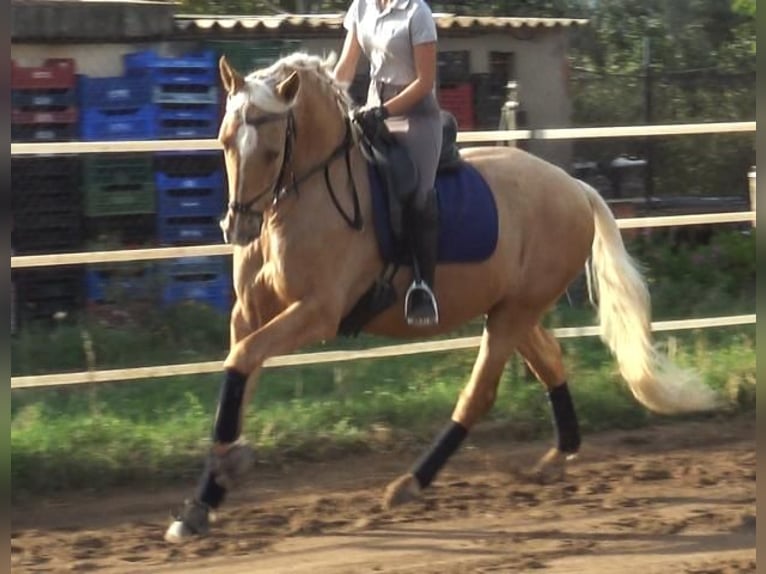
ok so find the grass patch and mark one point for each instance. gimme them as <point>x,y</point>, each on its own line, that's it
<point>155,431</point>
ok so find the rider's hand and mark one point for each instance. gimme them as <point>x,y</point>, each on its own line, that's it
<point>370,116</point>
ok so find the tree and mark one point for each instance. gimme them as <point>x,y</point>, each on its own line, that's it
<point>702,63</point>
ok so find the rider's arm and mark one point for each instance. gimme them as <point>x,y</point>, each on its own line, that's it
<point>345,68</point>
<point>425,68</point>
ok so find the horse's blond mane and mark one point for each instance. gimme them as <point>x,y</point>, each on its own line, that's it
<point>320,68</point>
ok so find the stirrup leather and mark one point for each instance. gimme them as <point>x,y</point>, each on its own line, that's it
<point>423,287</point>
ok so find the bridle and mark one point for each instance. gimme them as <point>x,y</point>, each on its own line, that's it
<point>279,188</point>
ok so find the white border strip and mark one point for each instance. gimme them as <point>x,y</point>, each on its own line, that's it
<point>91,257</point>
<point>61,379</point>
<point>607,132</point>
<point>54,148</point>
<point>18,149</point>
<point>692,219</point>
<point>117,256</point>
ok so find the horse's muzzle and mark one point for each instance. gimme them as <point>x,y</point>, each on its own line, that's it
<point>241,229</point>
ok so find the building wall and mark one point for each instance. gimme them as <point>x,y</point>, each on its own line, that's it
<point>540,69</point>
<point>541,75</point>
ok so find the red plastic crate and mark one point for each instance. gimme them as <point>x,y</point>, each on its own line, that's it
<point>54,73</point>
<point>465,121</point>
<point>68,116</point>
<point>456,95</point>
<point>458,100</point>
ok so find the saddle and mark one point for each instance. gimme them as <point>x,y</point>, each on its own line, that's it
<point>397,170</point>
<point>467,212</point>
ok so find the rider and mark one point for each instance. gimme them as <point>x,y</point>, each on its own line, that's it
<point>398,37</point>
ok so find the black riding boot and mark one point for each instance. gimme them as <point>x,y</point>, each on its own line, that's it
<point>420,305</point>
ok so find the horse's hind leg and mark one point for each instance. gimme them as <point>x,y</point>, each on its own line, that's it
<point>542,352</point>
<point>501,335</point>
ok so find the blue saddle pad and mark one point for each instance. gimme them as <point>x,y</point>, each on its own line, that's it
<point>467,217</point>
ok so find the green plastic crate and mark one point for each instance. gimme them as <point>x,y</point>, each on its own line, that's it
<point>119,185</point>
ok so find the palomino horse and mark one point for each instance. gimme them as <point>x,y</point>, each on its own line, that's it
<point>301,218</point>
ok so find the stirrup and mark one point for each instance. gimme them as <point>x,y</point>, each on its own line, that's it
<point>421,288</point>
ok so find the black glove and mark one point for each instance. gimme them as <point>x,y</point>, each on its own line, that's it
<point>370,118</point>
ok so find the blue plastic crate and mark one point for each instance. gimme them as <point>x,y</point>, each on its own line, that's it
<point>43,98</point>
<point>186,94</point>
<point>114,284</point>
<point>200,265</point>
<point>118,124</point>
<point>122,92</point>
<point>189,229</point>
<point>188,111</point>
<point>186,129</point>
<point>198,195</point>
<point>204,280</point>
<point>188,163</point>
<point>187,121</point>
<point>190,69</point>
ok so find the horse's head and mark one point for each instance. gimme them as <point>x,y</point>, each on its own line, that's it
<point>264,113</point>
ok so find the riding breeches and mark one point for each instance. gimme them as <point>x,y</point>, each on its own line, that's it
<point>420,130</point>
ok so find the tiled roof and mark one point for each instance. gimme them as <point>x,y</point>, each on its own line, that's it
<point>318,23</point>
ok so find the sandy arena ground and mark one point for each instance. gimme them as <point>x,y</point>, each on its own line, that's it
<point>670,499</point>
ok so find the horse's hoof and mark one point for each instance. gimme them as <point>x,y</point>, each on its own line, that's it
<point>403,490</point>
<point>232,466</point>
<point>551,467</point>
<point>191,522</point>
<point>178,532</point>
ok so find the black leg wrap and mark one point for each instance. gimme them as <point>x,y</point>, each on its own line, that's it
<point>565,419</point>
<point>208,490</point>
<point>226,427</point>
<point>443,447</point>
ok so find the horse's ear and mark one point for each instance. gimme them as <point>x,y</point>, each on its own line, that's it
<point>287,89</point>
<point>232,80</point>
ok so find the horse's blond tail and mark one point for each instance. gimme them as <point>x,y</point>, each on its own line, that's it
<point>624,309</point>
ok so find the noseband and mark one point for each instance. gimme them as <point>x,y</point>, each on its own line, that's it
<point>279,189</point>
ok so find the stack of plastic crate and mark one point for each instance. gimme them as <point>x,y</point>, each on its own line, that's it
<point>46,203</point>
<point>46,218</point>
<point>190,200</point>
<point>184,92</point>
<point>44,101</point>
<point>117,108</point>
<point>119,204</point>
<point>48,295</point>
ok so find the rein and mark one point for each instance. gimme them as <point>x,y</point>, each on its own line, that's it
<point>278,189</point>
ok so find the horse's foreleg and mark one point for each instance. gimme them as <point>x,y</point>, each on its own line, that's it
<point>302,323</point>
<point>542,352</point>
<point>475,400</point>
<point>241,325</point>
